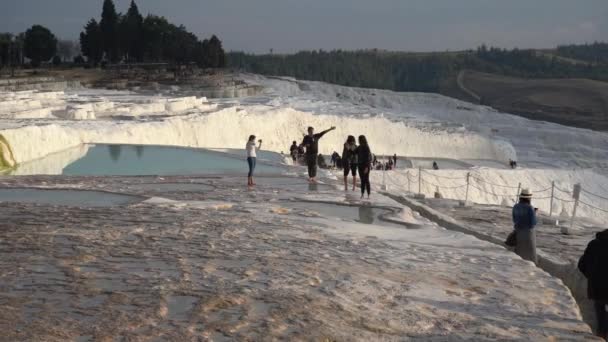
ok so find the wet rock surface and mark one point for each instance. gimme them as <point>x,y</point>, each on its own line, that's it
<point>213,260</point>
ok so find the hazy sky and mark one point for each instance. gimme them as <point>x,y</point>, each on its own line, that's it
<point>289,25</point>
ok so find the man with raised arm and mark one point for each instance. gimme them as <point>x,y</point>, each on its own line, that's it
<point>311,143</point>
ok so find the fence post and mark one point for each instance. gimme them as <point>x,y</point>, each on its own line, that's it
<point>419,180</point>
<point>576,193</point>
<point>466,196</point>
<point>384,180</point>
<point>552,193</point>
<point>518,192</point>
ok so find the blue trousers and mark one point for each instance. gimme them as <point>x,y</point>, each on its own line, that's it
<point>251,161</point>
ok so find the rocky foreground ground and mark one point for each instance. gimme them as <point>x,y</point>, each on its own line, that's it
<point>203,258</point>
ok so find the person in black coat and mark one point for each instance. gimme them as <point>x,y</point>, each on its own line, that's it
<point>311,142</point>
<point>594,265</point>
<point>364,162</point>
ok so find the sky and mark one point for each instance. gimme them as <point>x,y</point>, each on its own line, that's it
<point>291,25</point>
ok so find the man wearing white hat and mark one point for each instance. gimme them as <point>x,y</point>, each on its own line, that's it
<point>524,221</point>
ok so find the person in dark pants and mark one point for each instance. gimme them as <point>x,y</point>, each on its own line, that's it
<point>524,221</point>
<point>395,161</point>
<point>293,151</point>
<point>349,157</point>
<point>594,265</point>
<point>311,142</point>
<point>364,160</point>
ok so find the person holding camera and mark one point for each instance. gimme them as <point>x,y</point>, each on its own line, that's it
<point>251,157</point>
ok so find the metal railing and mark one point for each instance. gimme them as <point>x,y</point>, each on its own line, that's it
<point>416,178</point>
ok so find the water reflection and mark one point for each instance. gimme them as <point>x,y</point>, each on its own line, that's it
<point>313,186</point>
<point>139,150</point>
<point>366,215</point>
<point>115,151</point>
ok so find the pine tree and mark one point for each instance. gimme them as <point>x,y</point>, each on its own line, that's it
<point>133,33</point>
<point>109,31</point>
<point>217,56</point>
<point>91,42</point>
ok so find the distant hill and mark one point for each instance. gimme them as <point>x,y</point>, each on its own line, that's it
<point>557,71</point>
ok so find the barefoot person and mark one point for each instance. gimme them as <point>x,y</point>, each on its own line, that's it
<point>311,142</point>
<point>251,157</point>
<point>364,161</point>
<point>349,161</point>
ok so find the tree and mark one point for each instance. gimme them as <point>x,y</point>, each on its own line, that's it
<point>19,48</point>
<point>40,44</point>
<point>211,54</point>
<point>6,45</point>
<point>132,33</point>
<point>180,45</point>
<point>108,27</point>
<point>155,30</point>
<point>217,56</point>
<point>91,44</point>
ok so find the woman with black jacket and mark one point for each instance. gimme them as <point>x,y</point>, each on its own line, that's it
<point>364,159</point>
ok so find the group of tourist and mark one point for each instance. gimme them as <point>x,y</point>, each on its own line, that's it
<point>391,164</point>
<point>355,158</point>
<point>593,264</point>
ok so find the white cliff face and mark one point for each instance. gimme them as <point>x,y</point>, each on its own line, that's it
<point>406,124</point>
<point>229,128</point>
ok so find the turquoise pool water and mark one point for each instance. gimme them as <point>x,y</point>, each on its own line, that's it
<point>131,160</point>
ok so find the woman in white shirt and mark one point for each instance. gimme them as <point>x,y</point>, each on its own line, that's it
<point>251,157</point>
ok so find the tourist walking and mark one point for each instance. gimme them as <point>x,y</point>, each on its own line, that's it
<point>334,159</point>
<point>364,162</point>
<point>311,142</point>
<point>524,221</point>
<point>349,161</point>
<point>293,151</point>
<point>395,160</point>
<point>594,265</point>
<point>251,157</point>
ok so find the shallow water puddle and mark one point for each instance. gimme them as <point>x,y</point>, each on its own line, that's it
<point>179,307</point>
<point>76,198</point>
<point>361,214</point>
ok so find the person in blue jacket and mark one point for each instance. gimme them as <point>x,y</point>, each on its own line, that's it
<point>524,221</point>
